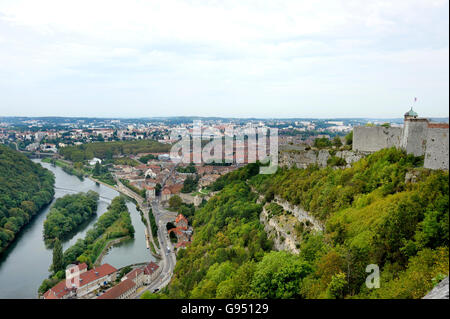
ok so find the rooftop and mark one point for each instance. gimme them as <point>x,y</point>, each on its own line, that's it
<point>411,113</point>
<point>96,273</point>
<point>118,290</point>
<point>150,268</point>
<point>58,291</point>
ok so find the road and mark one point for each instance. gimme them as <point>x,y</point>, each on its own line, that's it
<point>166,250</point>
<point>168,257</point>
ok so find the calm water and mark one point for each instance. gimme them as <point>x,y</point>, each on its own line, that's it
<point>25,264</point>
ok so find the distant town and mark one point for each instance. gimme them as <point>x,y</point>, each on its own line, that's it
<point>48,134</point>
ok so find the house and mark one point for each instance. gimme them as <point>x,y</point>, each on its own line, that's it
<point>132,281</point>
<point>137,275</point>
<point>127,287</point>
<point>123,290</point>
<point>182,231</point>
<point>60,291</point>
<point>95,278</point>
<point>151,270</point>
<point>150,192</point>
<point>166,194</point>
<point>181,222</point>
<point>80,282</point>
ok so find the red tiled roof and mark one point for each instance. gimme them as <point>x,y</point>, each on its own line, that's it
<point>96,273</point>
<point>80,267</point>
<point>150,268</point>
<point>118,290</point>
<point>176,188</point>
<point>438,125</point>
<point>183,243</point>
<point>180,218</point>
<point>58,291</point>
<point>134,273</point>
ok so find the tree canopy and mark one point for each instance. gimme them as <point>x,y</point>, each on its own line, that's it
<point>25,187</point>
<point>68,213</point>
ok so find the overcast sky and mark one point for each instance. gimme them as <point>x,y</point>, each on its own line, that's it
<point>224,58</point>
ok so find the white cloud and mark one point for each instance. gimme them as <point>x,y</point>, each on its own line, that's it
<point>232,52</point>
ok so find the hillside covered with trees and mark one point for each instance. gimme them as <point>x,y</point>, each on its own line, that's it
<point>25,187</point>
<point>384,210</point>
<point>68,213</point>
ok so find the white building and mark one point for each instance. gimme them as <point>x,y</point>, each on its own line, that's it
<point>94,161</point>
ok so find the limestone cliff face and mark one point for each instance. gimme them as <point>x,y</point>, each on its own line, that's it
<point>441,291</point>
<point>300,214</point>
<point>287,225</point>
<point>280,229</point>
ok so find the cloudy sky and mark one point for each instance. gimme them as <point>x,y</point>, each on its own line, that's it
<point>224,58</point>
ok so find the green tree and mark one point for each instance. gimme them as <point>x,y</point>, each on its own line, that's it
<point>349,138</point>
<point>58,261</point>
<point>337,286</point>
<point>97,169</point>
<point>279,275</point>
<point>337,141</point>
<point>175,202</point>
<point>322,142</point>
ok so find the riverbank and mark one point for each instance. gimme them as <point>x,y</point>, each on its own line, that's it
<point>67,167</point>
<point>121,190</point>
<point>28,248</point>
<point>104,184</point>
<point>107,246</point>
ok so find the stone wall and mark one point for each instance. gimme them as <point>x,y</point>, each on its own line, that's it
<point>302,159</point>
<point>436,154</point>
<point>418,137</point>
<point>374,138</point>
<point>414,137</point>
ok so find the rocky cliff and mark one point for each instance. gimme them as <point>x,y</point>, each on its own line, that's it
<point>304,158</point>
<point>440,291</point>
<point>286,224</point>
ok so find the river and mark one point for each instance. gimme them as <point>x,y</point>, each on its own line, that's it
<point>24,265</point>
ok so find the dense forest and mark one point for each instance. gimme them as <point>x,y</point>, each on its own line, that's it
<point>25,187</point>
<point>114,223</point>
<point>106,150</point>
<point>68,213</point>
<point>384,210</point>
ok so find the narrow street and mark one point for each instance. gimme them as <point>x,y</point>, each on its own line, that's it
<point>168,257</point>
<point>166,250</point>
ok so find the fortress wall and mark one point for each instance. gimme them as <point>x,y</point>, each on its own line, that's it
<point>436,154</point>
<point>415,136</point>
<point>374,138</point>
